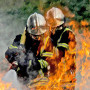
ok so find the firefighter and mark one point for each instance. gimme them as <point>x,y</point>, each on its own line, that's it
<point>62,37</point>
<point>23,52</point>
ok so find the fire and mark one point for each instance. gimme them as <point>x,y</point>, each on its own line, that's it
<point>60,80</point>
<point>84,23</point>
<point>65,78</point>
<point>5,86</point>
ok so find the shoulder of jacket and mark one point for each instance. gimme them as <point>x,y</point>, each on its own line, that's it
<point>68,29</point>
<point>18,36</point>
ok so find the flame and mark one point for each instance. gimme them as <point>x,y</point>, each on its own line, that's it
<point>84,23</point>
<point>60,80</point>
<point>81,55</point>
<point>4,85</point>
<point>62,75</point>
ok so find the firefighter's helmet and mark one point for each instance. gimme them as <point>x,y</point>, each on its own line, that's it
<point>55,17</point>
<point>36,24</point>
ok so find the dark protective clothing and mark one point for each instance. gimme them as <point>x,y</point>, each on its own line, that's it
<point>29,63</point>
<point>64,41</point>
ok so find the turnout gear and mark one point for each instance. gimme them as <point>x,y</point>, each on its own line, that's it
<point>62,44</point>
<point>25,48</point>
<point>61,36</point>
<point>10,54</point>
<point>63,39</point>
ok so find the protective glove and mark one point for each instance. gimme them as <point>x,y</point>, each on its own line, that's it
<point>10,54</point>
<point>14,65</point>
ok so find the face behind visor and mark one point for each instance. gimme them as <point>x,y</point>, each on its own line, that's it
<point>37,37</point>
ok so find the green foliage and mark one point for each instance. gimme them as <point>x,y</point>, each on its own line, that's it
<point>81,8</point>
<point>24,11</point>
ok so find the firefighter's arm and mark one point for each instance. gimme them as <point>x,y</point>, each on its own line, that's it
<point>11,52</point>
<point>47,48</point>
<point>67,40</point>
<point>14,49</point>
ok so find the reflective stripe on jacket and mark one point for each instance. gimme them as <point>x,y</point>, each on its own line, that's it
<point>23,37</point>
<point>65,45</point>
<point>42,52</point>
<point>11,47</point>
<point>47,54</point>
<point>43,63</point>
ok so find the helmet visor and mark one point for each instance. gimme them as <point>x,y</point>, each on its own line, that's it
<point>38,30</point>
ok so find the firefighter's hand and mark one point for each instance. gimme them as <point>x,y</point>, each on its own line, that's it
<point>14,65</point>
<point>10,54</point>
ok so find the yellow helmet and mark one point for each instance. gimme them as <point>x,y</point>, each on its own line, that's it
<point>36,24</point>
<point>55,17</point>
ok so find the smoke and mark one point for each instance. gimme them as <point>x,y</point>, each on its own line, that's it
<point>10,25</point>
<point>11,76</point>
<point>28,62</point>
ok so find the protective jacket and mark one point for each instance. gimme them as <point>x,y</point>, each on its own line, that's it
<point>64,41</point>
<point>63,38</point>
<point>27,57</point>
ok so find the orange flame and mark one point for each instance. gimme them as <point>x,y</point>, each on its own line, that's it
<point>5,86</point>
<point>60,80</point>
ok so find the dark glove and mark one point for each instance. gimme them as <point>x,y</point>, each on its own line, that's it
<point>20,54</point>
<point>10,54</point>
